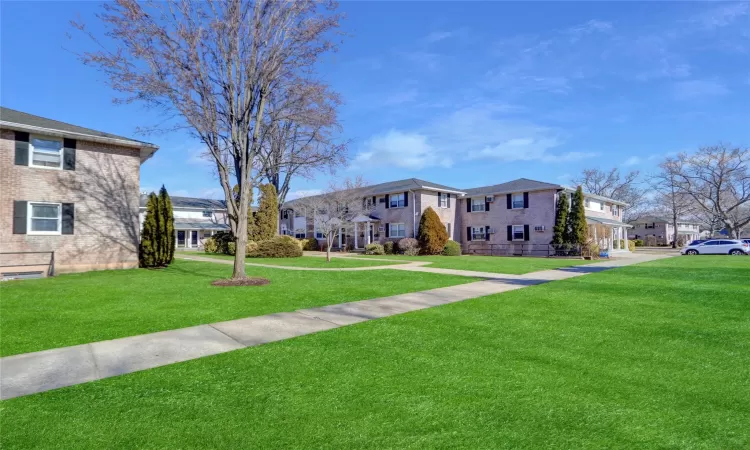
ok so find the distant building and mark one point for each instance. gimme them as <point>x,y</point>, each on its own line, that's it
<point>661,230</point>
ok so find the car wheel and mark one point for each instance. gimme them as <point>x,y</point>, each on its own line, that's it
<point>691,252</point>
<point>736,252</point>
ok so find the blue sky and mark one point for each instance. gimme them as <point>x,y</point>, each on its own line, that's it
<point>464,94</point>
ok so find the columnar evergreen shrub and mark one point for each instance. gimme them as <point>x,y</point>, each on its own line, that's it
<point>147,256</point>
<point>408,246</point>
<point>577,227</point>
<point>561,220</point>
<point>374,249</point>
<point>267,216</point>
<point>452,248</point>
<point>431,235</point>
<point>167,238</point>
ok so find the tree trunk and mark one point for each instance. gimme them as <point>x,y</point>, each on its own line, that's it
<point>328,247</point>
<point>240,235</point>
<point>674,224</point>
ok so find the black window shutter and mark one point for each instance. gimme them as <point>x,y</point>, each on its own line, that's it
<point>20,209</point>
<point>387,227</point>
<point>406,199</point>
<point>68,218</point>
<point>487,233</point>
<point>525,232</point>
<point>69,154</point>
<point>387,202</point>
<point>374,203</point>
<point>22,148</point>
<point>439,195</point>
<point>486,204</point>
<point>525,199</point>
<point>510,232</point>
<point>509,200</point>
<point>449,200</point>
<point>468,205</point>
<point>468,233</point>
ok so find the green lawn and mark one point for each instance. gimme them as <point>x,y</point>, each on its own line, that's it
<point>94,306</point>
<point>303,261</point>
<point>648,356</point>
<point>496,264</point>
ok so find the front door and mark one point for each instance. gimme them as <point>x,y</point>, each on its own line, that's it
<point>180,238</point>
<point>194,238</point>
<point>371,232</point>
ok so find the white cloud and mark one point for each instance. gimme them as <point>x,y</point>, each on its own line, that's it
<point>693,89</point>
<point>437,36</point>
<point>723,15</point>
<point>408,150</point>
<point>303,193</point>
<point>632,161</point>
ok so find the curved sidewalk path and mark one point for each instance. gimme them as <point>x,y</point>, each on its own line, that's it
<point>319,269</point>
<point>30,373</point>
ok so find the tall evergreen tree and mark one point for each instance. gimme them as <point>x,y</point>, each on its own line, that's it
<point>577,228</point>
<point>431,235</point>
<point>267,217</point>
<point>560,231</point>
<point>167,237</point>
<point>147,253</point>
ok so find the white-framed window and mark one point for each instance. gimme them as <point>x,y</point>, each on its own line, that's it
<point>517,201</point>
<point>319,234</point>
<point>478,234</point>
<point>586,203</point>
<point>442,200</point>
<point>477,204</point>
<point>46,152</point>
<point>615,210</point>
<point>397,230</point>
<point>601,206</point>
<point>207,234</point>
<point>208,213</point>
<point>299,234</point>
<point>448,230</point>
<point>518,234</point>
<point>44,218</point>
<point>397,200</point>
<point>369,203</point>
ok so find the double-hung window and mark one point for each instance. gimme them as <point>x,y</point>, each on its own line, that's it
<point>443,200</point>
<point>46,152</point>
<point>615,210</point>
<point>208,213</point>
<point>397,230</point>
<point>397,200</point>
<point>299,234</point>
<point>477,204</point>
<point>518,234</point>
<point>319,234</point>
<point>478,234</point>
<point>518,202</point>
<point>45,218</point>
<point>587,203</point>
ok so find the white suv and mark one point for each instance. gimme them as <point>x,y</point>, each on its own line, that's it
<point>718,247</point>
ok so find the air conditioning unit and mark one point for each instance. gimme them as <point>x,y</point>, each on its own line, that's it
<point>540,228</point>
<point>489,199</point>
<point>492,231</point>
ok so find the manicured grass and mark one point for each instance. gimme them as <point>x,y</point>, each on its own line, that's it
<point>94,306</point>
<point>495,264</point>
<point>303,261</point>
<point>648,356</point>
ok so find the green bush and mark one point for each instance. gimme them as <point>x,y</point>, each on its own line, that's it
<point>310,244</point>
<point>278,247</point>
<point>250,248</point>
<point>222,239</point>
<point>452,248</point>
<point>209,245</point>
<point>637,242</point>
<point>432,235</point>
<point>631,246</point>
<point>389,247</point>
<point>408,246</point>
<point>231,248</point>
<point>622,244</point>
<point>374,249</point>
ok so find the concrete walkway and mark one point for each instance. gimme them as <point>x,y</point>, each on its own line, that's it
<point>30,373</point>
<point>319,269</point>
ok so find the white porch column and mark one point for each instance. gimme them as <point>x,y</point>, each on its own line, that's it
<point>612,239</point>
<point>355,235</point>
<point>367,232</point>
<point>341,231</point>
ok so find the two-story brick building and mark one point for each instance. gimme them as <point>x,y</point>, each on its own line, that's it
<point>660,230</point>
<point>514,215</point>
<point>69,190</point>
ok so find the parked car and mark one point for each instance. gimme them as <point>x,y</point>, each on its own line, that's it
<point>718,247</point>
<point>696,242</point>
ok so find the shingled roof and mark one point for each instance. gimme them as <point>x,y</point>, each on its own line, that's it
<point>519,185</point>
<point>190,202</point>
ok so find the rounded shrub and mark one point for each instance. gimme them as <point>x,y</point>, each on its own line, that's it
<point>278,247</point>
<point>222,239</point>
<point>231,248</point>
<point>374,249</point>
<point>631,246</point>
<point>388,247</point>
<point>637,242</point>
<point>452,248</point>
<point>250,248</point>
<point>408,246</point>
<point>209,245</point>
<point>309,244</point>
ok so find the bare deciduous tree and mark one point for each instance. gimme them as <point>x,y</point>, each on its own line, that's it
<point>334,210</point>
<point>717,178</point>
<point>213,65</point>
<point>669,198</point>
<point>625,188</point>
<point>299,138</point>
